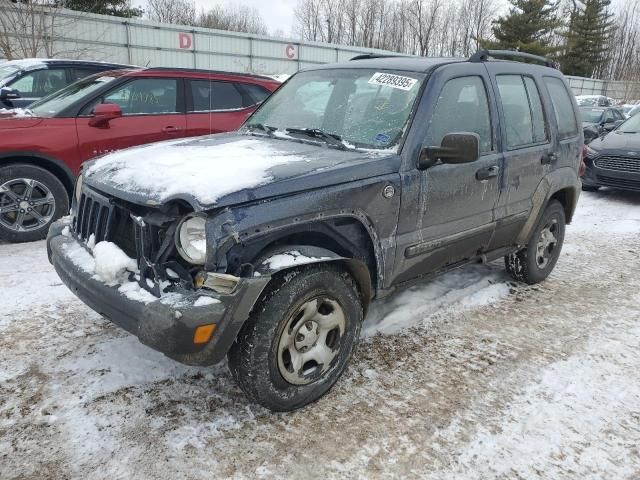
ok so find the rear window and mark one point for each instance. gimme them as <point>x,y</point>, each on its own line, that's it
<point>210,96</point>
<point>562,107</point>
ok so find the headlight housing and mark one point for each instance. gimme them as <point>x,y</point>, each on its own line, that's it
<point>191,239</point>
<point>591,152</point>
<point>78,190</point>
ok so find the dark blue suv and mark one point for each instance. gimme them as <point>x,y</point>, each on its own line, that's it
<point>22,82</point>
<point>349,182</point>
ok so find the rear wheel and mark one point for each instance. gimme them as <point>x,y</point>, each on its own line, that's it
<point>297,343</point>
<point>31,198</point>
<point>535,262</point>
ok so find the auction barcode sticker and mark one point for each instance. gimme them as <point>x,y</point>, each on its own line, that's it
<point>393,81</point>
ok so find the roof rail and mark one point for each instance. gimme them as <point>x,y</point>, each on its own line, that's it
<point>485,55</point>
<point>367,56</point>
<point>201,70</point>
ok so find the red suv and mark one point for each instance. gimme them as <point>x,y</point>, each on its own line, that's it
<point>42,148</point>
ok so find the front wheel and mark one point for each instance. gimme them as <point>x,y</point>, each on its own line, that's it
<point>535,262</point>
<point>31,198</point>
<point>298,341</point>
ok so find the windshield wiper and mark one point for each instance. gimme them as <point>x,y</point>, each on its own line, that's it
<point>263,128</point>
<point>328,138</point>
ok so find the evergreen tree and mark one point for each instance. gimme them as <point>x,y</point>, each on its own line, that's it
<point>116,8</point>
<point>591,26</point>
<point>528,27</point>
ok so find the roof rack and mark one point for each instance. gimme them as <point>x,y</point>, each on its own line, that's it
<point>367,56</point>
<point>485,55</point>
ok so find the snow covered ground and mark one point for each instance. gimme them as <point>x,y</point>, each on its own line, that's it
<point>468,376</point>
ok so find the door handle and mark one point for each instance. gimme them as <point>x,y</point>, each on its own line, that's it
<point>548,158</point>
<point>171,129</point>
<point>487,172</point>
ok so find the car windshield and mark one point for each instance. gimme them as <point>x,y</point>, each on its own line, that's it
<point>591,115</point>
<point>632,125</point>
<point>53,104</point>
<point>7,71</point>
<point>352,108</point>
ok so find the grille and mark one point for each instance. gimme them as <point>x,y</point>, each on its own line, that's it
<point>97,215</point>
<point>619,183</point>
<point>619,164</point>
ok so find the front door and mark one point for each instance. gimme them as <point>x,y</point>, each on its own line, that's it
<point>151,111</point>
<point>447,213</point>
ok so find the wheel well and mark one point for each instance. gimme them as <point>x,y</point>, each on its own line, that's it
<point>346,236</point>
<point>567,198</point>
<point>49,165</point>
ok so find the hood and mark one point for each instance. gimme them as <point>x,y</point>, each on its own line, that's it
<point>227,169</point>
<point>619,143</point>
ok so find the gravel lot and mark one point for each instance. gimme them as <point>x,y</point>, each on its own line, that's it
<point>468,376</point>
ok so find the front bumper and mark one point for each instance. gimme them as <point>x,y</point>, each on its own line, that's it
<point>595,176</point>
<point>166,327</point>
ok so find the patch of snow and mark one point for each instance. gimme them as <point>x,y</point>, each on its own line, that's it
<point>204,300</point>
<point>111,262</point>
<point>16,112</point>
<point>290,259</point>
<point>280,77</point>
<point>176,167</point>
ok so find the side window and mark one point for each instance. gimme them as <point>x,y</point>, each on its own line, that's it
<point>41,82</point>
<point>226,96</point>
<point>80,73</point>
<point>617,115</point>
<point>212,96</point>
<point>537,113</point>
<point>145,96</point>
<point>562,107</point>
<point>608,116</point>
<point>462,107</point>
<point>515,106</point>
<point>258,94</point>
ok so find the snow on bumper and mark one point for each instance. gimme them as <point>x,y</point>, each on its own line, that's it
<point>166,326</point>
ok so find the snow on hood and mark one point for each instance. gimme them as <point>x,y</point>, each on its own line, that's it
<point>15,113</point>
<point>203,170</point>
<point>166,169</point>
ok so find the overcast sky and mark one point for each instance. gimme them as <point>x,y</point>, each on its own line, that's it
<point>277,14</point>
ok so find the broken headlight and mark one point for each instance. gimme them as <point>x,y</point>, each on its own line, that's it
<point>191,239</point>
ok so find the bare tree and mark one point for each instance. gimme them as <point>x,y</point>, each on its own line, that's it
<point>27,29</point>
<point>182,12</point>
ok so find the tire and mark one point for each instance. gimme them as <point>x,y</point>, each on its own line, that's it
<point>263,358</point>
<point>590,188</point>
<point>526,265</point>
<point>24,216</point>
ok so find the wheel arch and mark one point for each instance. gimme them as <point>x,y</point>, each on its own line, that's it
<point>36,159</point>
<point>344,239</point>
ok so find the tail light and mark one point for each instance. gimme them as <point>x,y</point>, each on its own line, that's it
<point>582,168</point>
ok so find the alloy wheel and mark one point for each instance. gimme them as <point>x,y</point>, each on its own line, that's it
<point>25,205</point>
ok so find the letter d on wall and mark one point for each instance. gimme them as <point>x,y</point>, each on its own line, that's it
<point>184,41</point>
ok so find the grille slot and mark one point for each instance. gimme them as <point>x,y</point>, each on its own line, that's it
<point>619,183</point>
<point>95,215</point>
<point>619,164</point>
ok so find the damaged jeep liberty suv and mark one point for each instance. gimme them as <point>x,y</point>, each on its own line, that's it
<point>352,180</point>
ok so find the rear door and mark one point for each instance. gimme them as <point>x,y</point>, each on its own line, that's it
<point>215,106</point>
<point>447,214</point>
<point>529,148</point>
<point>152,110</point>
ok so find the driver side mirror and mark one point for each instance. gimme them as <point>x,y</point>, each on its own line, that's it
<point>7,93</point>
<point>103,113</point>
<point>459,147</point>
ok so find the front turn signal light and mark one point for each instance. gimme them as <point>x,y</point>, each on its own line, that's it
<point>203,333</point>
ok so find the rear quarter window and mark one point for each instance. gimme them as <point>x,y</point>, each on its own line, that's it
<point>562,107</point>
